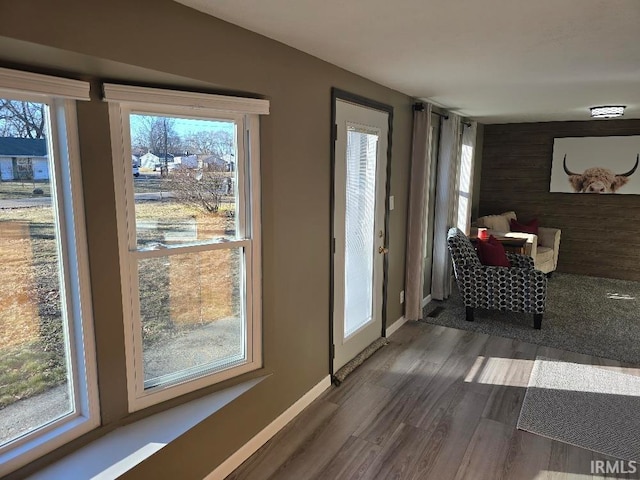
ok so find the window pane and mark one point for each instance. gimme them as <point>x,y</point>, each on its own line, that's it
<point>34,386</point>
<point>185,179</point>
<point>359,230</point>
<point>191,307</point>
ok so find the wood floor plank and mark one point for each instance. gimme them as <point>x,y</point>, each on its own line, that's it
<point>379,427</point>
<point>351,462</point>
<point>382,360</point>
<point>435,400</point>
<point>400,454</point>
<point>310,460</point>
<point>527,457</point>
<point>434,346</point>
<point>510,378</point>
<point>450,439</point>
<point>568,462</point>
<point>486,453</point>
<point>262,464</point>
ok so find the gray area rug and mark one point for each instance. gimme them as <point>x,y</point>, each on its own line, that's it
<point>596,316</point>
<point>583,405</point>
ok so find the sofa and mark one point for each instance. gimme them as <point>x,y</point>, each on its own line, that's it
<point>543,248</point>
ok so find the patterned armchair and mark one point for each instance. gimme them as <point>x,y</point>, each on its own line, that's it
<point>520,288</point>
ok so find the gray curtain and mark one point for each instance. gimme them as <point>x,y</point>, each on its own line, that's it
<point>446,205</point>
<point>416,221</point>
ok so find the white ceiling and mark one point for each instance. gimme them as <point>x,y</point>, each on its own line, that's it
<point>492,60</point>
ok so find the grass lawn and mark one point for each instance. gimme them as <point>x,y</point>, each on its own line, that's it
<point>16,189</point>
<point>178,293</point>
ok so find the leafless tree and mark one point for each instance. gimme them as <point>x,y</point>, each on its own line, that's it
<point>203,189</point>
<point>219,143</point>
<point>22,119</point>
<point>155,134</point>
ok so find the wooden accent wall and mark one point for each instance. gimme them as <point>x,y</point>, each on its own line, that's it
<point>600,233</point>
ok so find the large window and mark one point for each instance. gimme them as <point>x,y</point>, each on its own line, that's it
<point>189,218</point>
<point>47,372</point>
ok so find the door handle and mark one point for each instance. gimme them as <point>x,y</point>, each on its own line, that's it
<point>383,250</point>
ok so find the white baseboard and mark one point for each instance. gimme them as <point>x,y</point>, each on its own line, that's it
<point>395,326</point>
<point>426,300</point>
<point>249,448</point>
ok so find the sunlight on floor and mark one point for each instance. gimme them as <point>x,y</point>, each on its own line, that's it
<point>500,371</point>
<point>619,296</point>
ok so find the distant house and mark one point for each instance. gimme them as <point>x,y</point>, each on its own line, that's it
<point>149,160</point>
<point>214,162</point>
<point>23,159</point>
<point>186,161</point>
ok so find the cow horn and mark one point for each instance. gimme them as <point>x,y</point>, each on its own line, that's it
<point>630,172</point>
<point>566,170</point>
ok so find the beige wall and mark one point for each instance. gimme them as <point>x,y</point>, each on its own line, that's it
<point>163,43</point>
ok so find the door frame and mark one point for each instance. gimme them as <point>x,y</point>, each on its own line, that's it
<point>338,94</point>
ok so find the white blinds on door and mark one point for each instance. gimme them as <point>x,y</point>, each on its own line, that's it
<point>359,228</point>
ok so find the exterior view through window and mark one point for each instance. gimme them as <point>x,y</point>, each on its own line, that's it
<point>190,227</point>
<point>35,386</point>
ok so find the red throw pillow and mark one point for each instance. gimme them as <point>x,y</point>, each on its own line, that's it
<point>491,252</point>
<point>531,227</point>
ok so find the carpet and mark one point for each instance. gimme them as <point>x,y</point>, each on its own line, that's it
<point>583,405</point>
<point>595,316</point>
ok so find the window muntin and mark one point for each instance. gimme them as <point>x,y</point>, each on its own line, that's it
<point>47,366</point>
<point>191,269</point>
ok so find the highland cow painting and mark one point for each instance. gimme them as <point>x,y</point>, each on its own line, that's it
<point>601,165</point>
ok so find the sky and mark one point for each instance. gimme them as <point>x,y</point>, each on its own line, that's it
<point>185,126</point>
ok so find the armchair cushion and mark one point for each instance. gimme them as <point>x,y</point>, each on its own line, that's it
<point>529,227</point>
<point>491,252</point>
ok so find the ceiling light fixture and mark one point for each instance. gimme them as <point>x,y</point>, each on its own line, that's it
<point>607,111</point>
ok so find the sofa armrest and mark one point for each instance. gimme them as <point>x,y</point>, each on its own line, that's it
<point>550,237</point>
<point>520,261</point>
<point>535,277</point>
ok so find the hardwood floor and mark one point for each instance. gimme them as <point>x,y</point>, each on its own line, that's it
<point>436,403</point>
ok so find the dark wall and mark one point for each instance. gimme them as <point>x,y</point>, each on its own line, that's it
<point>600,233</point>
<point>112,41</point>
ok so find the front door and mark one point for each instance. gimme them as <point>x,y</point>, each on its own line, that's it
<point>359,228</point>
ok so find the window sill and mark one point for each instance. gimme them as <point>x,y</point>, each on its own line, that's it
<point>119,451</point>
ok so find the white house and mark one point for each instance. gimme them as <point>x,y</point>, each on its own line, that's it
<point>23,159</point>
<point>149,160</point>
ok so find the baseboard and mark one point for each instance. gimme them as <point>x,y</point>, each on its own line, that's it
<point>249,448</point>
<point>426,300</point>
<point>395,326</point>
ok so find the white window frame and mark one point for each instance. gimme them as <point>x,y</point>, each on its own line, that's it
<point>123,101</point>
<point>61,95</point>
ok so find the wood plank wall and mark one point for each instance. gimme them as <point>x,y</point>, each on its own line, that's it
<point>600,233</point>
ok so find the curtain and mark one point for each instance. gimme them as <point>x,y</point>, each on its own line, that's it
<point>465,177</point>
<point>416,221</point>
<point>446,205</point>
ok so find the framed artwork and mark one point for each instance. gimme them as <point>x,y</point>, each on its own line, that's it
<point>596,165</point>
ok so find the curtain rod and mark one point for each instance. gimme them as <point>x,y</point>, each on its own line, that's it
<point>419,107</point>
